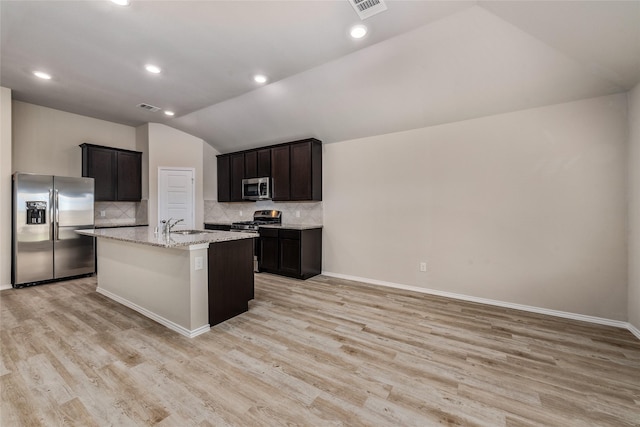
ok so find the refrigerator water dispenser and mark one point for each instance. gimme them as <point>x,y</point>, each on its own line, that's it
<point>36,212</point>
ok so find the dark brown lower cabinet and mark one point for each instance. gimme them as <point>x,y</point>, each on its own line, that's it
<point>290,252</point>
<point>230,279</point>
<point>218,227</point>
<point>269,253</point>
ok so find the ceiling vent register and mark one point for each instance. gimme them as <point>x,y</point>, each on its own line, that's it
<point>148,107</point>
<point>368,8</point>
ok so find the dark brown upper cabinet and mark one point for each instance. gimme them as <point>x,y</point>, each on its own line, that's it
<point>117,173</point>
<point>295,169</point>
<point>251,164</point>
<point>237,175</point>
<point>306,170</point>
<point>101,165</point>
<point>224,178</point>
<point>230,174</point>
<point>129,176</point>
<point>264,162</point>
<point>280,173</point>
<point>257,163</point>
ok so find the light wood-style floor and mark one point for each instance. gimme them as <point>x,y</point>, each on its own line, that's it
<point>320,352</point>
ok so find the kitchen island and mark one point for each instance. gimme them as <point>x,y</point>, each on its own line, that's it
<point>186,282</point>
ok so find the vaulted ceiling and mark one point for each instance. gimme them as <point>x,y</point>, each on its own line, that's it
<point>422,63</point>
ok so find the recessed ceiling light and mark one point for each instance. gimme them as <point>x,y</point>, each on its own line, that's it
<point>42,75</point>
<point>121,2</point>
<point>358,31</point>
<point>169,113</point>
<point>259,78</point>
<point>152,68</point>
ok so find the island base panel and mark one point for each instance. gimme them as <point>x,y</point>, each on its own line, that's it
<point>161,283</point>
<point>231,278</point>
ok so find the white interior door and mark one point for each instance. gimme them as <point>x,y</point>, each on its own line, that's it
<point>175,196</point>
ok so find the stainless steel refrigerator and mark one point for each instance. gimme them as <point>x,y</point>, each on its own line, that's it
<point>46,212</point>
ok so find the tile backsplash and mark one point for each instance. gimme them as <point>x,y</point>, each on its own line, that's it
<point>120,213</point>
<point>309,212</point>
<point>135,213</point>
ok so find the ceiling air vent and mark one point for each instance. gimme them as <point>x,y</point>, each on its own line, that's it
<point>148,107</point>
<point>367,8</point>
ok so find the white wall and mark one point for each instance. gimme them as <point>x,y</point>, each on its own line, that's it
<point>169,147</point>
<point>5,188</point>
<point>634,207</point>
<point>142,144</point>
<point>46,141</point>
<point>527,207</point>
<point>210,172</point>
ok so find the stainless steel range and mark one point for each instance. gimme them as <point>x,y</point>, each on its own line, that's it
<point>265,217</point>
<point>259,218</point>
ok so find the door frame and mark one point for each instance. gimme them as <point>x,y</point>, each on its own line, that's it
<point>193,190</point>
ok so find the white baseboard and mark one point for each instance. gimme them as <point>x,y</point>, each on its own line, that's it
<point>151,315</point>
<point>539,310</point>
<point>7,286</point>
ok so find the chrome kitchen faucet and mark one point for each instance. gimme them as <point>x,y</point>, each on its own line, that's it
<point>167,226</point>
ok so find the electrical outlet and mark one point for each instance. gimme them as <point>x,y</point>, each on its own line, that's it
<point>240,213</point>
<point>297,214</point>
<point>423,266</point>
<point>103,214</point>
<point>199,263</point>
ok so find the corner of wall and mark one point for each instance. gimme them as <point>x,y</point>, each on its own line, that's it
<point>142,144</point>
<point>5,186</point>
<point>170,147</point>
<point>633,298</point>
<point>210,172</point>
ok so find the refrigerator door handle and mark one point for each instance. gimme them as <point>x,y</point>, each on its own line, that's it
<point>51,231</point>
<point>57,219</point>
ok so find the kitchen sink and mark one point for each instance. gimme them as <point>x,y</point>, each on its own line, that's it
<point>186,232</point>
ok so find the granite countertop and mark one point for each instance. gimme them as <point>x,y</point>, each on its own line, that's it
<point>119,226</point>
<point>293,226</point>
<point>287,226</point>
<point>146,236</point>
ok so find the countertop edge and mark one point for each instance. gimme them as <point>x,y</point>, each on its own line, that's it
<point>292,226</point>
<point>278,226</point>
<point>142,236</point>
<point>103,226</point>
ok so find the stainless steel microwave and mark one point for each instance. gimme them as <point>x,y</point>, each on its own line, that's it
<point>256,189</point>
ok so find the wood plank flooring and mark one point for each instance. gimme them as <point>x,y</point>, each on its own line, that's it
<point>321,352</point>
